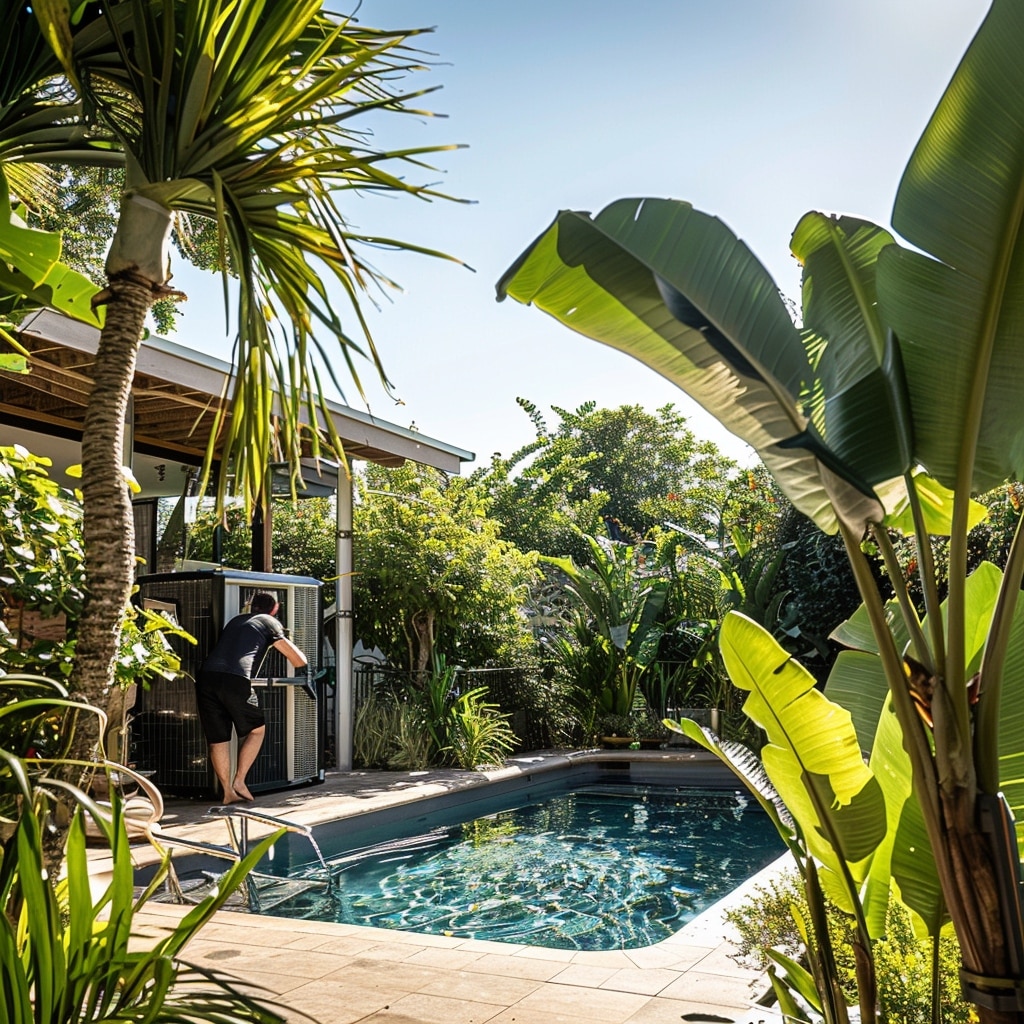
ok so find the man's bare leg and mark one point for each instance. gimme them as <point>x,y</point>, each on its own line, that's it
<point>247,752</point>
<point>220,761</point>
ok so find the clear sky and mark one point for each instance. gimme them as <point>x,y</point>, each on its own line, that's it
<point>754,110</point>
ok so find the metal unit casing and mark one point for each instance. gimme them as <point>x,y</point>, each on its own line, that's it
<point>165,736</point>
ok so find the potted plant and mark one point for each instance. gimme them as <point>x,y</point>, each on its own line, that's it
<point>616,730</point>
<point>648,729</point>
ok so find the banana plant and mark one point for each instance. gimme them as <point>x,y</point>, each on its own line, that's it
<point>615,612</point>
<point>853,828</point>
<point>907,358</point>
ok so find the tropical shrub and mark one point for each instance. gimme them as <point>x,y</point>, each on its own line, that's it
<point>67,954</point>
<point>431,722</point>
<point>432,574</point>
<point>478,732</point>
<point>375,729</point>
<point>610,629</point>
<point>767,919</point>
<point>42,583</point>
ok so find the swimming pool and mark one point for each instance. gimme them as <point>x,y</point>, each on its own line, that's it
<point>592,862</point>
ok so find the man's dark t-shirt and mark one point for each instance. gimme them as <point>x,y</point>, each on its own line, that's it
<point>244,640</point>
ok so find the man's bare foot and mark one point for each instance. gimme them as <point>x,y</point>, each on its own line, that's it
<point>242,791</point>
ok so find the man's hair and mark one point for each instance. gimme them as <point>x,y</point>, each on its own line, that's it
<point>262,603</point>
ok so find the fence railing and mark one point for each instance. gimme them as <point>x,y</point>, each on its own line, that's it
<point>521,693</point>
<point>514,690</point>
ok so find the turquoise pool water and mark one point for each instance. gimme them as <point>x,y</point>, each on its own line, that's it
<point>598,867</point>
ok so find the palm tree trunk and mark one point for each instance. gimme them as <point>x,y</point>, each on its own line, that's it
<point>108,525</point>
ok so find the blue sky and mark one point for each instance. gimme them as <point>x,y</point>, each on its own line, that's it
<point>754,110</point>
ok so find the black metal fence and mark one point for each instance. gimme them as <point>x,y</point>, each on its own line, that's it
<point>520,693</point>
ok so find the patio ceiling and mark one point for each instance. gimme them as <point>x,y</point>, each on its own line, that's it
<point>174,398</point>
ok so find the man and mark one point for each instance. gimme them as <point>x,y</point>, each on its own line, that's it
<point>226,696</point>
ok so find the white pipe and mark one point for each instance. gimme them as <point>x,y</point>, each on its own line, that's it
<point>344,637</point>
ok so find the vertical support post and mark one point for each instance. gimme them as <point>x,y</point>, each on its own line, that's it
<point>344,638</point>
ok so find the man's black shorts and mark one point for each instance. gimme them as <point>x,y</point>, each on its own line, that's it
<point>225,700</point>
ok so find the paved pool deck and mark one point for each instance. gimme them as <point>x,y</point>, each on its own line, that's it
<point>342,974</point>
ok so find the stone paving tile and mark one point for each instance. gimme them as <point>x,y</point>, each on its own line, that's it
<point>644,982</point>
<point>686,955</point>
<point>516,967</point>
<point>678,958</point>
<point>721,961</point>
<point>489,946</point>
<point>335,1002</point>
<point>381,976</point>
<point>339,945</point>
<point>584,975</point>
<point>602,958</point>
<point>587,1003</point>
<point>396,951</point>
<point>671,1011</point>
<point>228,932</point>
<point>297,962</point>
<point>519,1015</point>
<point>385,1016</point>
<point>449,959</point>
<point>709,990</point>
<point>537,953</point>
<point>485,988</point>
<point>431,1009</point>
<point>273,984</point>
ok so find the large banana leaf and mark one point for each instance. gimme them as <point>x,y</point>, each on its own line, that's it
<point>859,374</point>
<point>677,290</point>
<point>30,267</point>
<point>957,306</point>
<point>858,683</point>
<point>812,757</point>
<point>1011,726</point>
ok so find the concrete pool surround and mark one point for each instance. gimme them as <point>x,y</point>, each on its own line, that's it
<point>343,974</point>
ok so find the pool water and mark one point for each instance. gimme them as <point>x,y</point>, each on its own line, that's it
<point>597,868</point>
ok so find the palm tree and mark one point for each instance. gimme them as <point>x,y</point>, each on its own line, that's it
<point>240,112</point>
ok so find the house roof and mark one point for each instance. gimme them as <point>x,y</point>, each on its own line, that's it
<point>174,396</point>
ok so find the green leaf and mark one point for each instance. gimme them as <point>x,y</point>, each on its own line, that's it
<point>956,304</point>
<point>13,363</point>
<point>795,978</point>
<point>856,631</point>
<point>857,683</point>
<point>858,401</point>
<point>812,756</point>
<point>674,288</point>
<point>937,508</point>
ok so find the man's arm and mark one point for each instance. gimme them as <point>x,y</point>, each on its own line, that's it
<point>290,651</point>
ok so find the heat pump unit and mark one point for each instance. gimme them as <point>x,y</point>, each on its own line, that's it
<point>165,736</point>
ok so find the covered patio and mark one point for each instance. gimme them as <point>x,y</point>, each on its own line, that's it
<point>175,396</point>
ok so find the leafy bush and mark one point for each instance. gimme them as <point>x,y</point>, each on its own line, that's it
<point>479,734</point>
<point>67,954</point>
<point>431,724</point>
<point>43,579</point>
<point>903,962</point>
<point>374,730</point>
<point>411,746</point>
